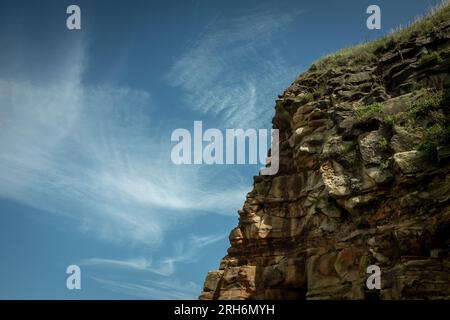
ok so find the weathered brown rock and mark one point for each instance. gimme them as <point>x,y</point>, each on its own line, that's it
<point>360,183</point>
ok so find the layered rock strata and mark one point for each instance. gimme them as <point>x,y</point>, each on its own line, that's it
<point>363,180</point>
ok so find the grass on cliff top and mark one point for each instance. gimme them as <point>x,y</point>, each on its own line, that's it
<point>366,51</point>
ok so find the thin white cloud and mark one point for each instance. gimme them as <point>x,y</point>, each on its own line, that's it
<point>161,290</point>
<point>203,241</point>
<point>167,286</point>
<point>91,153</point>
<point>138,264</point>
<point>234,71</point>
<point>183,253</point>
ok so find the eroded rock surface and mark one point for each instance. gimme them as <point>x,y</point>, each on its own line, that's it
<point>364,180</point>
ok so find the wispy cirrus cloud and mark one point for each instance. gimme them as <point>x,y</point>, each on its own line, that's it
<point>167,289</point>
<point>184,253</point>
<point>234,71</point>
<point>96,154</point>
<point>92,153</point>
<point>163,283</point>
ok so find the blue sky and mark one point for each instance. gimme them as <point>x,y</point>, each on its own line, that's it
<point>85,124</point>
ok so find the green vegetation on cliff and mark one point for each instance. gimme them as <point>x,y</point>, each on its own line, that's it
<point>369,51</point>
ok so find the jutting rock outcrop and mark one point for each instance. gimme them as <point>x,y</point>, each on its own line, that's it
<point>363,180</point>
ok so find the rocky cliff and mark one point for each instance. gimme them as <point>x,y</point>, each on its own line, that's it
<point>363,180</point>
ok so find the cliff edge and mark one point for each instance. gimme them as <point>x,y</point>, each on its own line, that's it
<point>363,180</point>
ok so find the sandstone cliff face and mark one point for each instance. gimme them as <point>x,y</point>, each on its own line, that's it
<point>364,180</point>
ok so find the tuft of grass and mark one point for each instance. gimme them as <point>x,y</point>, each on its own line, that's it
<point>349,156</point>
<point>369,111</point>
<point>385,143</point>
<point>390,120</point>
<point>428,102</point>
<point>435,136</point>
<point>432,58</point>
<point>309,96</point>
<point>320,91</point>
<point>438,134</point>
